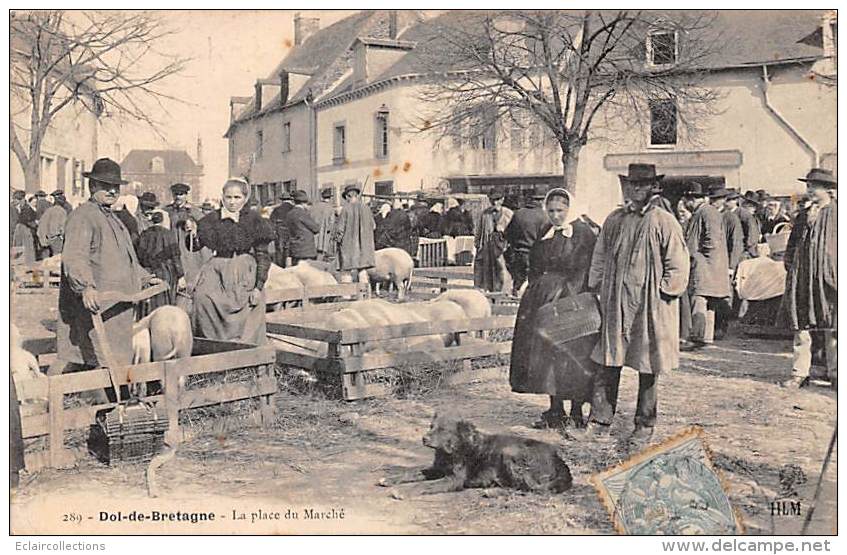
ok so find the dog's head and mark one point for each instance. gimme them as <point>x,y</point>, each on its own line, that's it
<point>451,434</point>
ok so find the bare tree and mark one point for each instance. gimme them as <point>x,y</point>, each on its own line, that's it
<point>104,62</point>
<point>561,69</point>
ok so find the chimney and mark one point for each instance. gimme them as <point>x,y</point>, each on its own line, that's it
<point>304,27</point>
<point>199,160</point>
<point>258,96</point>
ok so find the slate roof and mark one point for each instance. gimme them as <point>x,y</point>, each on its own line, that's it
<point>175,162</point>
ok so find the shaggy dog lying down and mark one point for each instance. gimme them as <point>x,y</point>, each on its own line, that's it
<point>468,458</point>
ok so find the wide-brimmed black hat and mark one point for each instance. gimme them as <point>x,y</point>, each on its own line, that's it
<point>180,188</point>
<point>285,195</point>
<point>721,192</point>
<point>637,173</point>
<point>300,196</point>
<point>106,170</point>
<point>732,194</point>
<point>821,176</point>
<point>148,200</point>
<point>57,193</point>
<point>351,187</point>
<point>752,197</point>
<point>40,193</point>
<point>326,193</point>
<point>696,189</point>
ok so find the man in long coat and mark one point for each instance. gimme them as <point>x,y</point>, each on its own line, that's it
<point>354,236</point>
<point>734,233</point>
<point>179,212</point>
<point>811,285</point>
<point>521,234</point>
<point>98,257</point>
<point>489,266</point>
<point>751,234</point>
<point>640,268</point>
<point>278,223</point>
<point>323,213</point>
<point>51,229</point>
<point>59,198</point>
<point>709,283</point>
<point>301,229</point>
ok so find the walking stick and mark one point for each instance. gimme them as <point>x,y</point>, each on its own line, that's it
<point>826,460</point>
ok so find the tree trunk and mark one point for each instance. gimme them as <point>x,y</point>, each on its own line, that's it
<point>570,162</point>
<point>32,174</point>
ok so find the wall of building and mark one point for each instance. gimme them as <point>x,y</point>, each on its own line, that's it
<point>743,141</point>
<point>71,145</point>
<point>275,165</point>
<point>417,160</point>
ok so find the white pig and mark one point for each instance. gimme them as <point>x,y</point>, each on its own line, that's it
<point>395,266</point>
<point>169,329</point>
<point>473,302</point>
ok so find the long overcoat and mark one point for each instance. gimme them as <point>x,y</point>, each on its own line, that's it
<point>640,267</point>
<point>706,242</point>
<point>489,266</point>
<point>811,284</point>
<point>354,235</point>
<point>734,238</point>
<point>98,252</point>
<point>323,213</point>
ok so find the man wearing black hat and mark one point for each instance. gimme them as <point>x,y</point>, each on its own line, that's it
<point>735,250</point>
<point>489,266</point>
<point>184,217</point>
<point>98,256</point>
<point>324,214</point>
<point>749,225</point>
<point>277,218</point>
<point>42,204</point>
<point>521,233</point>
<point>709,281</point>
<point>18,201</point>
<point>639,268</point>
<point>301,229</point>
<point>811,286</point>
<point>354,236</point>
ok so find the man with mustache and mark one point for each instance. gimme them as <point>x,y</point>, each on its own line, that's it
<point>98,256</point>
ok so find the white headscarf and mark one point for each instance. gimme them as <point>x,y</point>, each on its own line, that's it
<point>384,209</point>
<point>438,208</point>
<point>452,203</point>
<point>567,229</point>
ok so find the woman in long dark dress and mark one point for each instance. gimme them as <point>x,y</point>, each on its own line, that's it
<point>558,267</point>
<point>229,302</point>
<point>158,253</point>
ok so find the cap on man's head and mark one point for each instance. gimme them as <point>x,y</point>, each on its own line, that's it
<point>19,195</point>
<point>496,194</point>
<point>57,193</point>
<point>40,193</point>
<point>180,189</point>
<point>326,193</point>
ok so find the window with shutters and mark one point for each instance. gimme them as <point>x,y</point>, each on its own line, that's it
<point>286,136</point>
<point>381,134</point>
<point>383,188</point>
<point>78,168</point>
<point>339,143</point>
<point>260,143</point>
<point>662,48</point>
<point>663,122</point>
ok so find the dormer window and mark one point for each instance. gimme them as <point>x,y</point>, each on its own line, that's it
<point>662,48</point>
<point>157,165</point>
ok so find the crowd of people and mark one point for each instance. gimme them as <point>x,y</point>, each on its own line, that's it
<point>662,273</point>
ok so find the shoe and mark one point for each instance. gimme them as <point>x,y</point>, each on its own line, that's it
<point>550,420</point>
<point>640,436</point>
<point>693,345</point>
<point>796,382</point>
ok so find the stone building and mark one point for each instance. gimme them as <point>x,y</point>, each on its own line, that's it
<point>157,170</point>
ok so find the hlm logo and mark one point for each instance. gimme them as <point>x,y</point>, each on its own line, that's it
<point>785,508</point>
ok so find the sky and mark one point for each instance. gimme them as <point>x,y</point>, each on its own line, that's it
<point>229,50</point>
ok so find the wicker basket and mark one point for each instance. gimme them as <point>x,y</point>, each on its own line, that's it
<point>778,240</point>
<point>131,434</point>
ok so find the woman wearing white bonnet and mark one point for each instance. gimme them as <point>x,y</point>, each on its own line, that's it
<point>558,267</point>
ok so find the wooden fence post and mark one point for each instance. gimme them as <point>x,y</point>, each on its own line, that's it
<point>267,405</point>
<point>56,408</point>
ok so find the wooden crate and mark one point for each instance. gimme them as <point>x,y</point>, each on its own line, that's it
<point>208,356</point>
<point>347,363</point>
<point>309,297</point>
